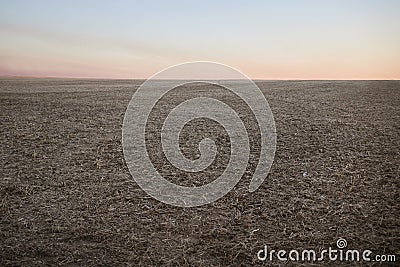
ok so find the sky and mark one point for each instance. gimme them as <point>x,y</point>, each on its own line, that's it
<point>338,39</point>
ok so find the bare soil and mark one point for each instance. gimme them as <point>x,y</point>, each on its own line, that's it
<point>67,197</point>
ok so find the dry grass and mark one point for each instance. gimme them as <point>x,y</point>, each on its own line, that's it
<point>67,197</point>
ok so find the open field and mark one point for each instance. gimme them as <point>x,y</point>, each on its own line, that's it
<point>67,197</point>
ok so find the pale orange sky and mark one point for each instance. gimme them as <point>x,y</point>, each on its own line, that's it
<point>264,39</point>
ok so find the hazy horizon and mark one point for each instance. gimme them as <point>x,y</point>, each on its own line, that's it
<point>136,79</point>
<point>266,40</point>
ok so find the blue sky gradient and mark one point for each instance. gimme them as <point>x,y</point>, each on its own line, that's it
<point>265,39</point>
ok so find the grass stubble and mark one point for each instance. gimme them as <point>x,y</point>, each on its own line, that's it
<point>67,197</point>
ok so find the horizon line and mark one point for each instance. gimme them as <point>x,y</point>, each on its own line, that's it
<point>255,79</point>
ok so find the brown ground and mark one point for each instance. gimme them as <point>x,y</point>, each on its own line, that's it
<point>67,197</point>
